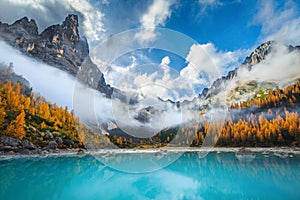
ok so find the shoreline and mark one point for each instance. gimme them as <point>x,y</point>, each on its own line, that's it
<point>164,150</point>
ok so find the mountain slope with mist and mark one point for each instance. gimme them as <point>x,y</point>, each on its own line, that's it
<point>269,65</point>
<point>58,45</point>
<point>254,88</point>
<point>63,47</point>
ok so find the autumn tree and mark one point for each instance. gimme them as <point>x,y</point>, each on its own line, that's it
<point>16,127</point>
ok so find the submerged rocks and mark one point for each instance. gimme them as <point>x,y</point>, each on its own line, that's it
<point>10,141</point>
<point>281,154</point>
<point>81,152</point>
<point>245,155</point>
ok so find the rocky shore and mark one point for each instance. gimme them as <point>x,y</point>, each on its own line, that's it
<point>11,146</point>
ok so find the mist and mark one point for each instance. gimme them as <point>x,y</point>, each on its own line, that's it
<point>55,85</point>
<point>90,105</point>
<point>281,67</point>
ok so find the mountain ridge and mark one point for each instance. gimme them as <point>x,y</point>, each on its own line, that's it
<point>61,45</point>
<point>58,45</point>
<point>257,55</point>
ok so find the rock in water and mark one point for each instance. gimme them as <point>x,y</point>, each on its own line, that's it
<point>80,152</point>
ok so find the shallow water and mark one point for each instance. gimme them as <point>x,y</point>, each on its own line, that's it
<point>216,176</point>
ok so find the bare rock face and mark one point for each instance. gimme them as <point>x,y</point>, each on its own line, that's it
<point>259,53</point>
<point>59,45</point>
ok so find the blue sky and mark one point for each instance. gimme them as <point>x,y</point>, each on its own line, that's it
<point>229,25</point>
<point>224,33</point>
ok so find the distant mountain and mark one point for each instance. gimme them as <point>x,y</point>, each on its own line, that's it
<point>59,45</point>
<point>257,56</point>
<point>8,75</point>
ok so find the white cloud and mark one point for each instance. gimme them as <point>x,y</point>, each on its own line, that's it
<point>280,66</point>
<point>161,81</point>
<point>165,61</point>
<point>49,12</point>
<point>208,4</point>
<point>156,15</point>
<point>90,105</point>
<point>279,24</point>
<point>206,63</point>
<point>92,23</point>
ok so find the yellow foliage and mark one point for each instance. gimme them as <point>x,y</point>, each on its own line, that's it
<point>16,127</point>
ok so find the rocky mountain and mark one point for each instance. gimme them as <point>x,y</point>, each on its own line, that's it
<point>257,56</point>
<point>259,53</point>
<point>59,45</point>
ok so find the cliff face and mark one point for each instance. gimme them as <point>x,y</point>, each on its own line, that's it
<point>259,53</point>
<point>58,45</point>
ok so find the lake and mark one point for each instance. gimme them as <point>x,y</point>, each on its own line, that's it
<point>191,176</point>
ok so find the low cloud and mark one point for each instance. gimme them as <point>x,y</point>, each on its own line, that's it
<point>206,63</point>
<point>90,105</point>
<point>151,79</point>
<point>281,67</point>
<point>43,78</point>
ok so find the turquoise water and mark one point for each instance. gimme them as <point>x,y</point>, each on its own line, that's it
<point>217,176</point>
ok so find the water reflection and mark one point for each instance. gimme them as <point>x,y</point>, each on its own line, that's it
<point>189,177</point>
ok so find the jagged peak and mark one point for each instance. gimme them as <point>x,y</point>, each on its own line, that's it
<point>22,20</point>
<point>71,20</point>
<point>25,21</point>
<point>29,25</point>
<point>259,53</point>
<point>70,27</point>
